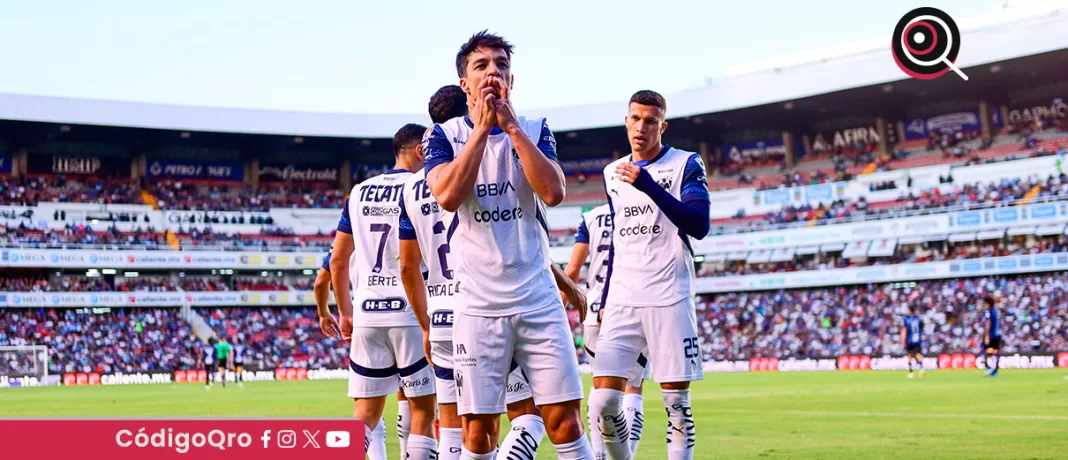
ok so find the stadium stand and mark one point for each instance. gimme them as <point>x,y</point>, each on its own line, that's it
<point>829,322</point>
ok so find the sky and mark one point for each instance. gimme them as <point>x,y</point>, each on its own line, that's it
<point>389,57</point>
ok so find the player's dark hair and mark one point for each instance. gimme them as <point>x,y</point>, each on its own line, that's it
<point>447,103</point>
<point>479,40</point>
<point>912,309</point>
<point>989,301</point>
<point>408,135</point>
<point>649,97</point>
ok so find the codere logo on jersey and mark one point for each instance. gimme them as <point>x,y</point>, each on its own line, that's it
<point>498,215</point>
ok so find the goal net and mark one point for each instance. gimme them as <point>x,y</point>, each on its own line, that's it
<point>24,361</point>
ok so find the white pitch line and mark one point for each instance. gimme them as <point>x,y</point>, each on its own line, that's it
<point>894,414</point>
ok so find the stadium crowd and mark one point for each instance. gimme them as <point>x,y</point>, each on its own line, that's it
<point>122,340</point>
<point>28,191</point>
<point>186,196</point>
<point>59,284</point>
<point>933,251</point>
<point>279,337</point>
<point>931,199</point>
<point>867,319</point>
<point>203,284</point>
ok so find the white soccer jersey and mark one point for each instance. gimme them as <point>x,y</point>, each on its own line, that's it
<point>596,231</point>
<point>651,260</point>
<point>432,227</point>
<point>502,239</point>
<point>371,216</point>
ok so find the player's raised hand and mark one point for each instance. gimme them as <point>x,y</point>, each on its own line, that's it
<point>506,117</point>
<point>329,326</point>
<point>628,172</point>
<point>484,115</point>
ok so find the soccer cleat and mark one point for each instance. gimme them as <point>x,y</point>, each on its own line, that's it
<point>921,373</point>
<point>989,372</point>
<point>911,376</point>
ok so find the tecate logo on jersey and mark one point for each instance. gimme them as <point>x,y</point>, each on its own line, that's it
<point>379,193</point>
<point>498,215</point>
<point>392,304</point>
<point>441,318</point>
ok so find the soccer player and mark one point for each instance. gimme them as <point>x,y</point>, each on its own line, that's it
<point>992,336</point>
<point>593,241</point>
<point>659,200</point>
<point>912,340</point>
<point>330,327</point>
<point>427,229</point>
<point>237,356</point>
<point>497,171</point>
<point>208,350</point>
<point>388,341</point>
<point>222,355</point>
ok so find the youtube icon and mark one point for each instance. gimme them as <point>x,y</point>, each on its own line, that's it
<point>337,439</point>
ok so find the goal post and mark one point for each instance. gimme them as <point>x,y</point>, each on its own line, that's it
<point>24,361</point>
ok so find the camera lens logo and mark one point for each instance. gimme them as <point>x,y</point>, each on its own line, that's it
<point>287,439</point>
<point>926,43</point>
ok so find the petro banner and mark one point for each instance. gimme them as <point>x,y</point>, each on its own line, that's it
<point>205,439</point>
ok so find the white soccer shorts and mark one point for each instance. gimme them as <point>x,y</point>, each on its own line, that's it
<point>383,359</point>
<point>539,341</point>
<point>441,352</point>
<point>669,333</point>
<point>641,370</point>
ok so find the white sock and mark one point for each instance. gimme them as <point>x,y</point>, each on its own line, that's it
<point>468,455</point>
<point>451,443</point>
<point>421,448</point>
<point>578,449</point>
<point>634,411</point>
<point>404,424</point>
<point>521,442</point>
<point>367,440</point>
<point>681,433</point>
<point>596,443</point>
<point>377,448</point>
<point>608,404</point>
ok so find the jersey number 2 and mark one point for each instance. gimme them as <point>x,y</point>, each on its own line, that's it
<point>443,250</point>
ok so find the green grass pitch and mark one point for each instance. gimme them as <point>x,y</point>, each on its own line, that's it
<point>854,415</point>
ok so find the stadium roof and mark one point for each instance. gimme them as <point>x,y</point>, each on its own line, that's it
<point>846,67</point>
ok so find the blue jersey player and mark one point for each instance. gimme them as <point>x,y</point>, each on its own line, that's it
<point>992,336</point>
<point>912,340</point>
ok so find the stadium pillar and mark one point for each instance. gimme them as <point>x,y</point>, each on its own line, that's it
<point>788,143</point>
<point>252,173</point>
<point>1004,115</point>
<point>806,142</point>
<point>18,164</point>
<point>703,150</point>
<point>140,166</point>
<point>345,179</point>
<point>984,121</point>
<point>880,128</point>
